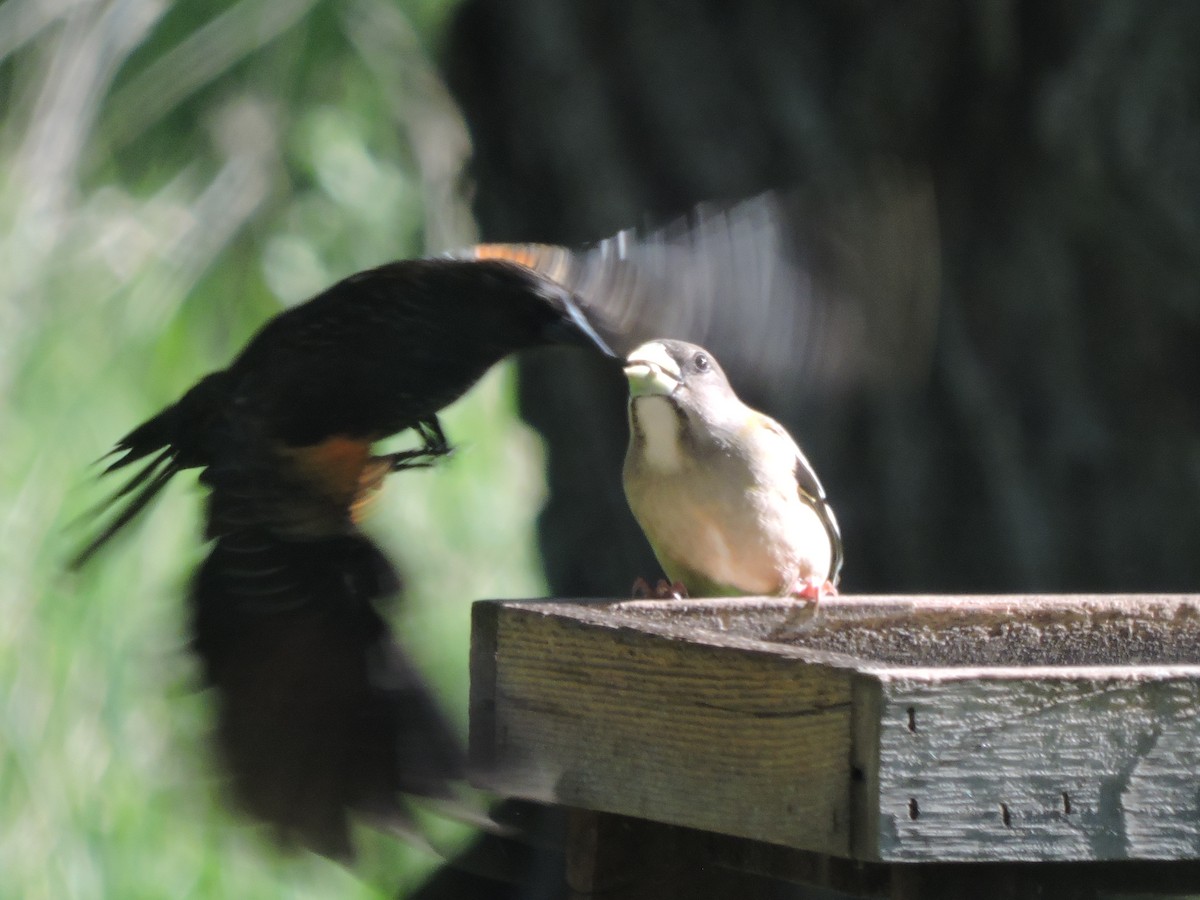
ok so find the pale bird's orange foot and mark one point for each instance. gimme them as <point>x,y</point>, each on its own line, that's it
<point>673,590</point>
<point>813,589</point>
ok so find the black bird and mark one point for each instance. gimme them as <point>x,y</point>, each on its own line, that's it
<point>320,713</point>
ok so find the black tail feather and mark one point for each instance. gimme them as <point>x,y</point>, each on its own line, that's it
<point>178,435</point>
<point>155,434</point>
<point>155,476</point>
<point>167,457</point>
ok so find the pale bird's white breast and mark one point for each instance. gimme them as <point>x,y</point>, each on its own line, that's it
<point>660,433</point>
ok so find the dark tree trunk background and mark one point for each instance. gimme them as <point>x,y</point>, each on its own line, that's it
<point>1054,443</point>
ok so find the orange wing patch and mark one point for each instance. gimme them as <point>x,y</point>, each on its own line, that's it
<point>334,468</point>
<point>370,483</point>
<point>522,254</point>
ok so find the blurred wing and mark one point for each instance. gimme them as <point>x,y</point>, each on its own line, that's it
<point>320,715</point>
<point>837,289</point>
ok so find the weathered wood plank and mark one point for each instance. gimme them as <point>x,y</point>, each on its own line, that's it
<point>1011,769</point>
<point>866,700</point>
<point>587,713</point>
<point>1030,633</point>
<point>908,729</point>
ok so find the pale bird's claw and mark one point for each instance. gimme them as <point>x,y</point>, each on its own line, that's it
<point>813,589</point>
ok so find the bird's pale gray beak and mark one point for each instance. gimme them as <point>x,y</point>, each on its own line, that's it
<point>582,323</point>
<point>652,372</point>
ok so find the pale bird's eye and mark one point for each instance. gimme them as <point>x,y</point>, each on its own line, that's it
<point>700,362</point>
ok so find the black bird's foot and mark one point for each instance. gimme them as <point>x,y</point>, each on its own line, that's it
<point>413,459</point>
<point>433,447</point>
<point>433,439</point>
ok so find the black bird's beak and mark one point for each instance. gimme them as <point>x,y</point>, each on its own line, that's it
<point>576,329</point>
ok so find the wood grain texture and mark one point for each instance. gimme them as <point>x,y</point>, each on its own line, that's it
<point>1097,769</point>
<point>889,729</point>
<point>588,712</point>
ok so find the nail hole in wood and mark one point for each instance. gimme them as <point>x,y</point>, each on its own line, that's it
<point>1004,815</point>
<point>1066,803</point>
<point>912,719</point>
<point>914,810</point>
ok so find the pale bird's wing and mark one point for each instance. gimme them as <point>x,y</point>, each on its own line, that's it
<point>813,492</point>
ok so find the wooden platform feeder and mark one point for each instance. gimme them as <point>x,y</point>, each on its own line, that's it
<point>886,746</point>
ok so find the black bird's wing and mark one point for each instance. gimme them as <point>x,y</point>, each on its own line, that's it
<point>835,291</point>
<point>320,715</point>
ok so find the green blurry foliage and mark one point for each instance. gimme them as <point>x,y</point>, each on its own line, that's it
<point>171,174</point>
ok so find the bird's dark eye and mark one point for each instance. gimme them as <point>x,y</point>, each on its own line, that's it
<point>700,361</point>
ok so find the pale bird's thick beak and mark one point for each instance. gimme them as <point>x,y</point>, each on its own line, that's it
<point>652,372</point>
